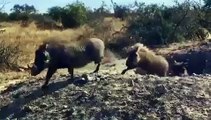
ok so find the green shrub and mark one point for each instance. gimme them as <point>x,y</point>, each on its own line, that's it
<point>158,25</point>
<point>74,15</point>
<point>3,16</point>
<point>55,13</point>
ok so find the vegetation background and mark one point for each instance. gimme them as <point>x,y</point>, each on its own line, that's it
<point>153,25</point>
<point>107,95</point>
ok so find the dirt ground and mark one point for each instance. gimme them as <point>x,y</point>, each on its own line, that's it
<point>108,95</point>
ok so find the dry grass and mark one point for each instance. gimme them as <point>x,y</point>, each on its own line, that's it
<point>30,37</point>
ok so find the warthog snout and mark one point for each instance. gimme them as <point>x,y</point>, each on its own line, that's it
<point>34,70</point>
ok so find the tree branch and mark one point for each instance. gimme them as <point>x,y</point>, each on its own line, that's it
<point>178,24</point>
<point>3,5</point>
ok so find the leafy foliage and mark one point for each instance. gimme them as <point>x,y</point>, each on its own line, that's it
<point>150,24</point>
<point>156,25</point>
<point>3,16</point>
<point>120,11</point>
<point>55,13</point>
<point>21,12</point>
<point>207,4</point>
<point>23,9</point>
<point>74,15</point>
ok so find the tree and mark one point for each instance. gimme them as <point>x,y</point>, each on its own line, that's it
<point>120,11</point>
<point>207,4</point>
<point>102,10</point>
<point>74,15</point>
<point>55,13</point>
<point>21,12</point>
<point>3,16</point>
<point>156,24</point>
<point>27,9</point>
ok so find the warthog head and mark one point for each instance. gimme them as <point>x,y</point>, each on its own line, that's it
<point>132,59</point>
<point>42,58</point>
<point>179,67</point>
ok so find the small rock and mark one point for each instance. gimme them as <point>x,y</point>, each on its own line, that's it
<point>56,94</point>
<point>65,106</point>
<point>85,76</point>
<point>92,118</point>
<point>102,78</point>
<point>54,103</point>
<point>27,109</point>
<point>160,90</point>
<point>113,118</point>
<point>90,78</point>
<point>68,112</point>
<point>43,105</point>
<point>97,79</point>
<point>80,81</point>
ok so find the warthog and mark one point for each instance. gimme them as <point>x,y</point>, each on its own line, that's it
<point>141,57</point>
<point>54,55</point>
<point>193,61</point>
<point>178,68</point>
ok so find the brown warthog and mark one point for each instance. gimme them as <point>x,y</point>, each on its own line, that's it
<point>141,57</point>
<point>54,55</point>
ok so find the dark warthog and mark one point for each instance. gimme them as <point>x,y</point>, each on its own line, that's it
<point>54,55</point>
<point>178,68</point>
<point>193,61</point>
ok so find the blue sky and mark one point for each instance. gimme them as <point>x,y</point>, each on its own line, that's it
<point>43,5</point>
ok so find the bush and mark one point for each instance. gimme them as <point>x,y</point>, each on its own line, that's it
<point>74,15</point>
<point>158,25</point>
<point>120,11</point>
<point>98,13</point>
<point>9,54</point>
<point>55,13</point>
<point>13,16</point>
<point>3,16</point>
<point>46,22</point>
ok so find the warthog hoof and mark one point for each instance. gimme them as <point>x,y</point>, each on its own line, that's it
<point>123,72</point>
<point>44,86</point>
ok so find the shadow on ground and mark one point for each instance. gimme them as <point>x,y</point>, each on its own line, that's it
<point>16,107</point>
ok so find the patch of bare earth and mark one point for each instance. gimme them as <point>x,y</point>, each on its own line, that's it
<point>109,95</point>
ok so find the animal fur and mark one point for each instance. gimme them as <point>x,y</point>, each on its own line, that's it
<point>142,57</point>
<point>178,68</point>
<point>194,61</point>
<point>61,54</point>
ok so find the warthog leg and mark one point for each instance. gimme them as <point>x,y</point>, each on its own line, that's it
<point>125,70</point>
<point>49,74</point>
<point>97,68</point>
<point>70,70</point>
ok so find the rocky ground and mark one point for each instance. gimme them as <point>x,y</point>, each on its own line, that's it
<point>109,95</point>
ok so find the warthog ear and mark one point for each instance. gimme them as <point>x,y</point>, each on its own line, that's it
<point>48,57</point>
